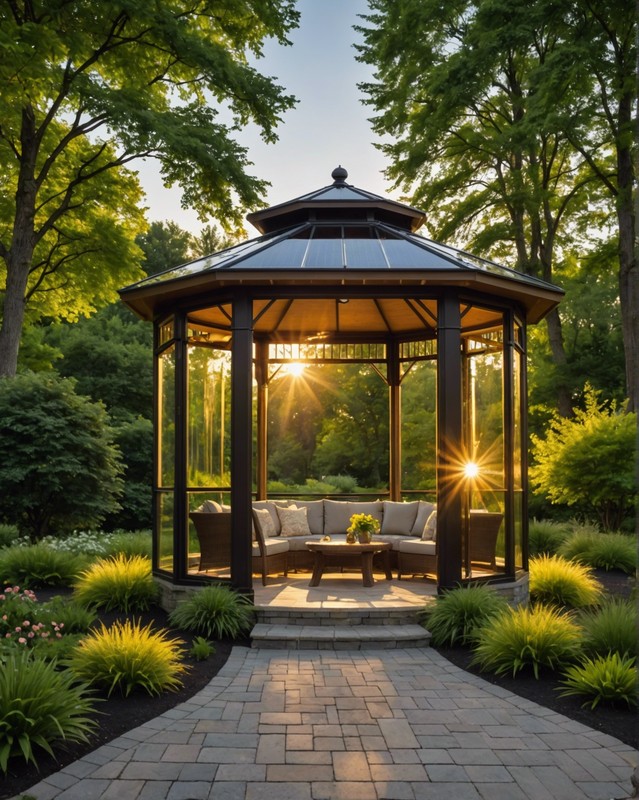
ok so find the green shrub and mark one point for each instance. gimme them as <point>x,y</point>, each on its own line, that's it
<point>214,611</point>
<point>545,537</point>
<point>126,656</point>
<point>578,545</point>
<point>553,580</point>
<point>527,637</point>
<point>70,615</point>
<point>59,469</point>
<point>8,535</point>
<point>121,583</point>
<point>135,543</point>
<point>611,628</point>
<point>201,649</point>
<point>39,565</point>
<point>587,461</point>
<point>601,550</point>
<point>611,678</point>
<point>39,706</point>
<point>458,614</point>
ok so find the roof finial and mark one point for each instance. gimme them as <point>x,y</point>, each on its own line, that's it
<point>339,176</point>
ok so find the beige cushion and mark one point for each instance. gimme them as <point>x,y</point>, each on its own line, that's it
<point>315,514</point>
<point>210,505</point>
<point>423,512</point>
<point>417,547</point>
<point>262,517</point>
<point>270,506</point>
<point>399,517</point>
<point>430,528</point>
<point>293,521</point>
<point>338,513</point>
<point>272,546</point>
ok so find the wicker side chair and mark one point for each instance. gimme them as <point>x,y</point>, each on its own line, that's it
<point>269,554</point>
<point>483,533</point>
<point>213,531</point>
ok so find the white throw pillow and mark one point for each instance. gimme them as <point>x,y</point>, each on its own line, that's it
<point>265,521</point>
<point>423,512</point>
<point>294,521</point>
<point>430,528</point>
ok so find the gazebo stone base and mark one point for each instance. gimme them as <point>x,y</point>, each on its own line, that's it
<point>516,592</point>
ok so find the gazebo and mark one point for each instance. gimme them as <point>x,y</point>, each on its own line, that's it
<point>339,275</point>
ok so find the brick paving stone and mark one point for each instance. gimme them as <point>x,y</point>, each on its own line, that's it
<point>399,772</point>
<point>405,756</point>
<point>227,755</point>
<point>398,733</point>
<point>225,790</point>
<point>446,791</point>
<point>85,790</point>
<point>296,773</point>
<point>396,790</point>
<point>189,790</point>
<point>241,772</point>
<point>501,791</point>
<point>124,790</point>
<point>145,771</point>
<point>157,790</point>
<point>351,766</point>
<point>488,774</point>
<point>281,791</point>
<point>475,755</point>
<point>344,790</point>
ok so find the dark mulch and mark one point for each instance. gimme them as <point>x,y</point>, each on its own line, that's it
<point>119,714</point>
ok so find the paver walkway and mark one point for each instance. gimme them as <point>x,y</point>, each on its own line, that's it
<point>367,725</point>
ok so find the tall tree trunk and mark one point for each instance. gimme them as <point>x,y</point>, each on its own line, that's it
<point>628,276</point>
<point>20,253</point>
<point>555,338</point>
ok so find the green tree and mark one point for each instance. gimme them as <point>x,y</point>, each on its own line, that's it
<point>354,436</point>
<point>165,245</point>
<point>510,156</point>
<point>59,469</point>
<point>588,462</point>
<point>89,87</point>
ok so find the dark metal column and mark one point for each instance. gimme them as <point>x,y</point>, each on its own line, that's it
<point>449,443</point>
<point>261,377</point>
<point>180,510</point>
<point>394,421</point>
<point>241,444</point>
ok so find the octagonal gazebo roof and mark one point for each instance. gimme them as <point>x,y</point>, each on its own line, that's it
<point>339,236</point>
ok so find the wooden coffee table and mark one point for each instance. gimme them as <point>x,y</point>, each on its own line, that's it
<point>340,554</point>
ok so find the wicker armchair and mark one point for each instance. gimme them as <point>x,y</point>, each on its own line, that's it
<point>213,531</point>
<point>269,555</point>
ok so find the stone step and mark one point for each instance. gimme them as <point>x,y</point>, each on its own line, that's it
<point>338,637</point>
<point>351,617</point>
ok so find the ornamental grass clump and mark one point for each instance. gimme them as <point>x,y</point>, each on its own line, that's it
<point>459,613</point>
<point>555,581</point>
<point>39,565</point>
<point>612,628</point>
<point>613,551</point>
<point>610,679</point>
<point>214,611</point>
<point>527,638</point>
<point>40,705</point>
<point>545,537</point>
<point>120,582</point>
<point>127,656</point>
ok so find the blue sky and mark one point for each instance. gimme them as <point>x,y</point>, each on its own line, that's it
<point>328,127</point>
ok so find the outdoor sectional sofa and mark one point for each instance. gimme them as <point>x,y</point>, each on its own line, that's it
<point>281,529</point>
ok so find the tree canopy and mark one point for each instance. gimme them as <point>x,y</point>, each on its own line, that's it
<point>510,122</point>
<point>89,87</point>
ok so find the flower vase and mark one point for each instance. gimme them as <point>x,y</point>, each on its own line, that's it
<point>351,538</point>
<point>364,537</point>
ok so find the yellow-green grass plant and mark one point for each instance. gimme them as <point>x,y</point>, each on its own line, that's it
<point>527,638</point>
<point>556,581</point>
<point>38,565</point>
<point>126,656</point>
<point>215,611</point>
<point>601,550</point>
<point>119,582</point>
<point>40,707</point>
<point>457,614</point>
<point>545,537</point>
<point>610,628</point>
<point>610,679</point>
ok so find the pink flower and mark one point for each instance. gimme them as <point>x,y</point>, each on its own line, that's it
<point>18,629</point>
<point>7,636</point>
<point>22,640</point>
<point>30,635</point>
<point>26,623</point>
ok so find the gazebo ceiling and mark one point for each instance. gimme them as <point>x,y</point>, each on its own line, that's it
<point>338,243</point>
